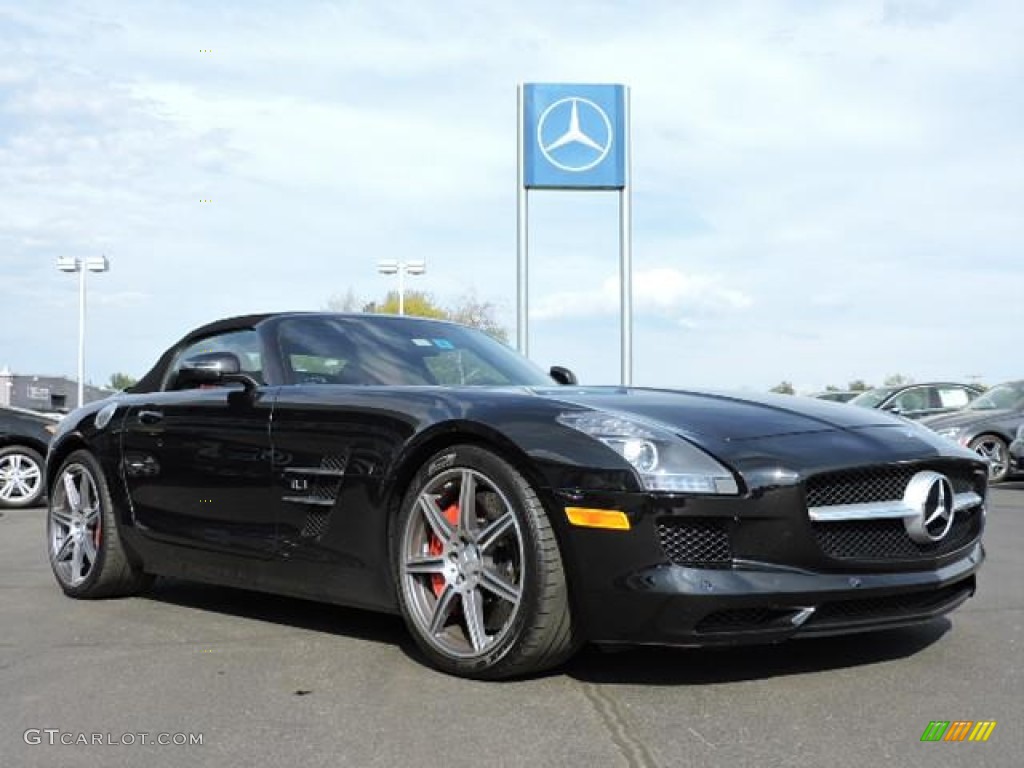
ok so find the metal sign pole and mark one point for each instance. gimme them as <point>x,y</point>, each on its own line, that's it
<point>626,254</point>
<point>522,236</point>
<point>81,335</point>
<point>577,138</point>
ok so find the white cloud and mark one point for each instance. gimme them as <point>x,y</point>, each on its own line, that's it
<point>809,177</point>
<point>662,290</point>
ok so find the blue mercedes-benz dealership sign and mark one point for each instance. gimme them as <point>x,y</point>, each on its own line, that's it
<point>573,136</point>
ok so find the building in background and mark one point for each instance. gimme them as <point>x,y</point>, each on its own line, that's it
<point>44,393</point>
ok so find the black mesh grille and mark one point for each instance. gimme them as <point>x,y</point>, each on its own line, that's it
<point>861,486</point>
<point>888,539</point>
<point>739,619</point>
<point>696,542</point>
<point>891,607</point>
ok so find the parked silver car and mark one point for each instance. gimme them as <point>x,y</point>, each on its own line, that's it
<point>915,401</point>
<point>987,426</point>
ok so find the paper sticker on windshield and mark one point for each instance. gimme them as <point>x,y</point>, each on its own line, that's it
<point>421,342</point>
<point>443,344</point>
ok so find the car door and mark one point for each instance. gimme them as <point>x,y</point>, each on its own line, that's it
<point>197,461</point>
<point>334,436</point>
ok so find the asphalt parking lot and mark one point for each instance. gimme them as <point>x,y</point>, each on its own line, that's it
<point>278,682</point>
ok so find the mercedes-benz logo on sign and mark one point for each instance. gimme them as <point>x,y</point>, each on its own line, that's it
<point>574,134</point>
<point>930,494</point>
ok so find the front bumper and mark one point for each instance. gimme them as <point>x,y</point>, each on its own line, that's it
<point>758,603</point>
<point>763,574</point>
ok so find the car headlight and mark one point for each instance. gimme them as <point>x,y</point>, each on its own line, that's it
<point>950,433</point>
<point>663,460</point>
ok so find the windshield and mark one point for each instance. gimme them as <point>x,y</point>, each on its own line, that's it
<point>872,397</point>
<point>1005,396</point>
<point>382,350</point>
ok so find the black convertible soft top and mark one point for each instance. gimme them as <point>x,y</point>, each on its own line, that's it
<point>153,379</point>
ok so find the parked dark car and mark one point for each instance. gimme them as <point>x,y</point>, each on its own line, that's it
<point>836,396</point>
<point>1017,452</point>
<point>987,426</point>
<point>915,401</point>
<point>423,468</point>
<point>24,438</point>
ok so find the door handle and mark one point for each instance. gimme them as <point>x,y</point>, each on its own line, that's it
<point>150,417</point>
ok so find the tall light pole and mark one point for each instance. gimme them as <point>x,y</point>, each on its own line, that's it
<point>81,266</point>
<point>401,268</point>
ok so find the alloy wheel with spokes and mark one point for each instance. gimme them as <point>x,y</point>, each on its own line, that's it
<point>995,451</point>
<point>462,563</point>
<point>21,477</point>
<point>478,568</point>
<point>76,525</point>
<point>84,542</point>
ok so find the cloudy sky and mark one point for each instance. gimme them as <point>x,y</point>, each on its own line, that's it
<point>822,190</point>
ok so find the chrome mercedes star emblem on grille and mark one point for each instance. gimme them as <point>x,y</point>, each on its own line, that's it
<point>930,494</point>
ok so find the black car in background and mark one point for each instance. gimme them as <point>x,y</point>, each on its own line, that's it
<point>915,401</point>
<point>987,426</point>
<point>1017,452</point>
<point>24,437</point>
<point>422,468</point>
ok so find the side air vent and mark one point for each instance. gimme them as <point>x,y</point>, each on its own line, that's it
<point>317,488</point>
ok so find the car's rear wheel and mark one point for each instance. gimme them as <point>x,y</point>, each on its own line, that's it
<point>479,572</point>
<point>86,552</point>
<point>995,451</point>
<point>21,476</point>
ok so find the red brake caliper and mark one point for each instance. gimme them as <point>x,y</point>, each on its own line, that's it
<point>451,514</point>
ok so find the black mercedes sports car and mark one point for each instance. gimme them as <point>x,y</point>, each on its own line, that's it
<point>422,468</point>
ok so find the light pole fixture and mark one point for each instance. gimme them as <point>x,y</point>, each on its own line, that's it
<point>401,268</point>
<point>81,266</point>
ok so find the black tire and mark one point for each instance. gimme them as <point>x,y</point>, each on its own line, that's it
<point>25,490</point>
<point>104,568</point>
<point>996,451</point>
<point>538,632</point>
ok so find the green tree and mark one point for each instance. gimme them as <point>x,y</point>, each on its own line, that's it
<point>858,385</point>
<point>121,381</point>
<point>469,309</point>
<point>417,304</point>
<point>784,388</point>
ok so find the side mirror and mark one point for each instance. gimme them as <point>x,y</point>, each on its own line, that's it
<point>563,376</point>
<point>893,409</point>
<point>212,368</point>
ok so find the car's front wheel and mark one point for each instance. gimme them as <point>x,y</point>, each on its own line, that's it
<point>21,476</point>
<point>995,451</point>
<point>478,568</point>
<point>86,552</point>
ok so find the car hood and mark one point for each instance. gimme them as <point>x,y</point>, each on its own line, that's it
<point>965,418</point>
<point>768,438</point>
<point>726,416</point>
